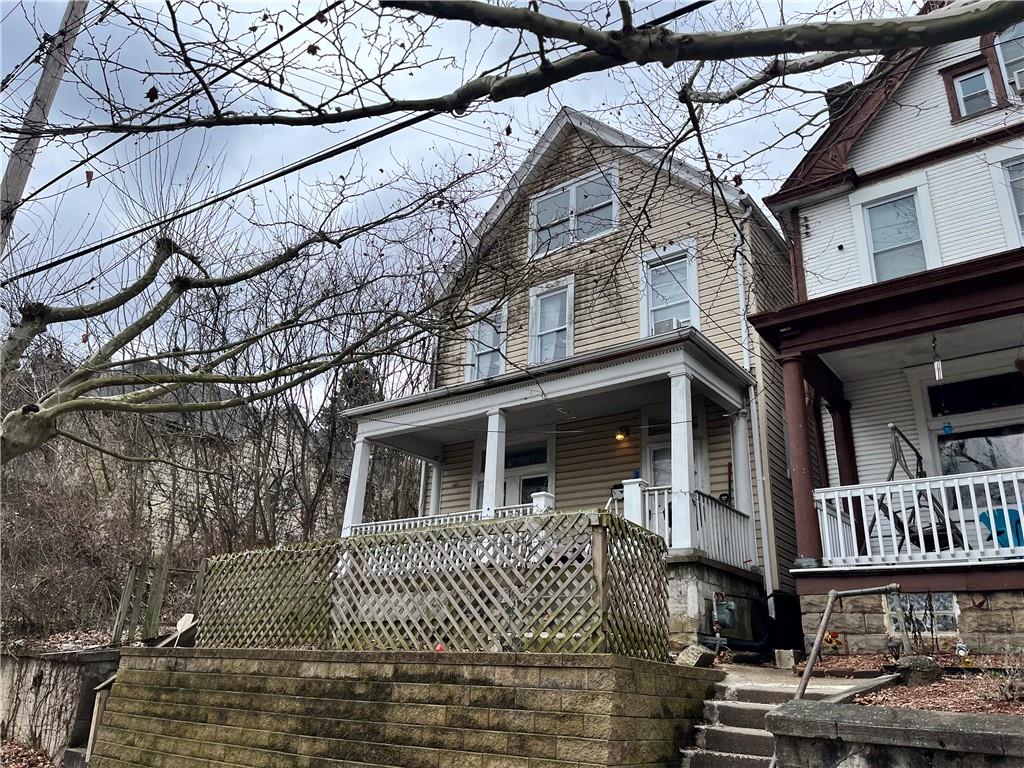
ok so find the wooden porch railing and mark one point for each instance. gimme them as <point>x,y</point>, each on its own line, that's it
<point>726,534</point>
<point>953,518</point>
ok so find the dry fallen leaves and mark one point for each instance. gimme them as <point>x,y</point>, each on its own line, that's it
<point>16,755</point>
<point>962,693</point>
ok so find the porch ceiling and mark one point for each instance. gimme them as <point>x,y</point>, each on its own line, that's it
<point>951,343</point>
<point>538,420</point>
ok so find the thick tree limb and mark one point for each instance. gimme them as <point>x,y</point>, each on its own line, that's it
<point>605,50</point>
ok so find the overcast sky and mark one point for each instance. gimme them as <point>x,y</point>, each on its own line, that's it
<point>84,215</point>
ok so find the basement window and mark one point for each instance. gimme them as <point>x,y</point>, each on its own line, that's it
<point>928,613</point>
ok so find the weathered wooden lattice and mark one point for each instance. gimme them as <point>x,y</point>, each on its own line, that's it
<point>566,582</point>
<point>270,598</point>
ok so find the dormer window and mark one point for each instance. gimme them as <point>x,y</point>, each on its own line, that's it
<point>974,92</point>
<point>485,350</point>
<point>580,210</point>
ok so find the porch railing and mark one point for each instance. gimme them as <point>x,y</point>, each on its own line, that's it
<point>726,534</point>
<point>977,516</point>
<point>657,510</point>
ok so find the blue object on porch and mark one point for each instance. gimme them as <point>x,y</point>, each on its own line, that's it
<point>1002,530</point>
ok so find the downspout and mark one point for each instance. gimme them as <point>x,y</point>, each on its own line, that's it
<point>752,405</point>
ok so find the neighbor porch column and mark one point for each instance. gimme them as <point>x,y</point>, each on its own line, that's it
<point>842,433</point>
<point>435,490</point>
<point>808,533</point>
<point>494,465</point>
<point>743,494</point>
<point>684,525</point>
<point>358,478</point>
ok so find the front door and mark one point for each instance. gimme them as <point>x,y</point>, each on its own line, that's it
<point>659,459</point>
<point>520,485</point>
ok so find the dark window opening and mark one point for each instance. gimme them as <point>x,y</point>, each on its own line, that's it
<point>1000,391</point>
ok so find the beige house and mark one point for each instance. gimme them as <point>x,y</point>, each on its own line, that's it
<point>607,364</point>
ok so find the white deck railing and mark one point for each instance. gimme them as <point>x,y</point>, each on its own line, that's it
<point>657,510</point>
<point>953,518</point>
<point>726,534</point>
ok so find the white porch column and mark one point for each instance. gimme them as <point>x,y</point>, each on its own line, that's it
<point>633,500</point>
<point>684,524</point>
<point>421,504</point>
<point>435,490</point>
<point>357,486</point>
<point>742,479</point>
<point>494,465</point>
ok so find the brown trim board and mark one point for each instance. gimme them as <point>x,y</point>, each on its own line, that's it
<point>974,578</point>
<point>958,294</point>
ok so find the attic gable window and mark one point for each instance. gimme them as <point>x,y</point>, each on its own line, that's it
<point>974,93</point>
<point>583,209</point>
<point>485,350</point>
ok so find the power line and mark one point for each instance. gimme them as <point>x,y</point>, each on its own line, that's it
<point>318,157</point>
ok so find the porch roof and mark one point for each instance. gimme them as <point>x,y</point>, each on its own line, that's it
<point>632,364</point>
<point>969,292</point>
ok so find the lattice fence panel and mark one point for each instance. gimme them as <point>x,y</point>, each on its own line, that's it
<point>271,598</point>
<point>558,583</point>
<point>524,583</point>
<point>636,582</point>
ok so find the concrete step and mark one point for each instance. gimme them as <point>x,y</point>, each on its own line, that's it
<point>704,758</point>
<point>729,738</point>
<point>742,714</point>
<point>769,694</point>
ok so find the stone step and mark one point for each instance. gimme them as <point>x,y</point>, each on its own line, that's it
<point>703,758</point>
<point>742,714</point>
<point>769,694</point>
<point>729,738</point>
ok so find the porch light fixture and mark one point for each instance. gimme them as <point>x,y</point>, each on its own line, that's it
<point>621,434</point>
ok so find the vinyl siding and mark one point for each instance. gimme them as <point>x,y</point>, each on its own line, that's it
<point>588,461</point>
<point>457,478</point>
<point>917,120</point>
<point>653,211</point>
<point>831,261</point>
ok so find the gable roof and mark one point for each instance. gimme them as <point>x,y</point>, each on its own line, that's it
<point>569,120</point>
<point>825,164</point>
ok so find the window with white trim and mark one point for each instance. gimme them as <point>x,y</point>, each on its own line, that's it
<point>668,284</point>
<point>1015,179</point>
<point>1010,46</point>
<point>578,211</point>
<point>974,92</point>
<point>894,237</point>
<point>485,351</point>
<point>551,321</point>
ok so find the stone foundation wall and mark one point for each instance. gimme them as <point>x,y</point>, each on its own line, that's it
<point>193,707</point>
<point>46,699</point>
<point>692,585</point>
<point>824,735</point>
<point>989,622</point>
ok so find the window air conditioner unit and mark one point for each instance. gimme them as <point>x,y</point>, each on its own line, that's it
<point>1018,82</point>
<point>664,326</point>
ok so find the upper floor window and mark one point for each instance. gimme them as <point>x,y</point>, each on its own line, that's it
<point>485,351</point>
<point>1010,47</point>
<point>974,92</point>
<point>668,290</point>
<point>894,235</point>
<point>551,321</point>
<point>578,211</point>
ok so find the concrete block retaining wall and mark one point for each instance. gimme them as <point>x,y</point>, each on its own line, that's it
<point>817,734</point>
<point>46,699</point>
<point>201,707</point>
<point>989,622</point>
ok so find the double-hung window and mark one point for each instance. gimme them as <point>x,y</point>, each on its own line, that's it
<point>974,92</point>
<point>1010,45</point>
<point>485,350</point>
<point>581,210</point>
<point>894,237</point>
<point>668,285</point>
<point>551,321</point>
